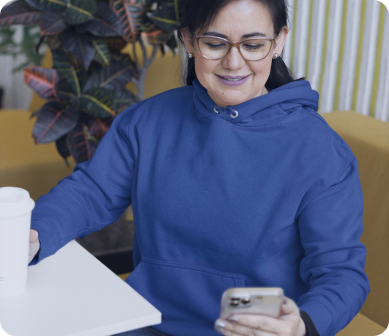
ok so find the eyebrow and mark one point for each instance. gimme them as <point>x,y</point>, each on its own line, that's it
<point>244,36</point>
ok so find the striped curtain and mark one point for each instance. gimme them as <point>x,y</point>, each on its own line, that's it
<point>342,48</point>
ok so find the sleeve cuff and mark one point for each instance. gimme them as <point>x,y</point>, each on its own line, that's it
<point>46,239</point>
<point>309,325</point>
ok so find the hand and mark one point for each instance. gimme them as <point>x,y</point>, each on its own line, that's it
<point>34,245</point>
<point>288,324</point>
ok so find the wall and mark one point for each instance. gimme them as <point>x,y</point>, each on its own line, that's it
<point>342,48</point>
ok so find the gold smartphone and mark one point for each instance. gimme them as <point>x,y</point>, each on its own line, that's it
<point>254,300</point>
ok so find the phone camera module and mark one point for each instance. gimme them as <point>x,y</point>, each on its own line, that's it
<point>245,301</point>
<point>234,302</point>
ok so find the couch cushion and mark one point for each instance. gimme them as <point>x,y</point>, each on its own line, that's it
<point>361,326</point>
<point>368,138</point>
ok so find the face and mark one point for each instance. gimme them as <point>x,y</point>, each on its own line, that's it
<point>238,18</point>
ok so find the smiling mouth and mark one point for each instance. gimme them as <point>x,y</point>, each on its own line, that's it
<point>233,79</point>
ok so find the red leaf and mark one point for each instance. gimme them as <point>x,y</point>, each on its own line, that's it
<point>98,127</point>
<point>131,17</point>
<point>156,35</point>
<point>41,80</point>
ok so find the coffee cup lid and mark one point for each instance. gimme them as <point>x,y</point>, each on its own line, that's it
<point>15,202</point>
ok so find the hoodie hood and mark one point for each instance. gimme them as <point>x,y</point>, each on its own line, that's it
<point>267,109</point>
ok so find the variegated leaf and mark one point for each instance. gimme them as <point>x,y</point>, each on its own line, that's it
<point>80,45</point>
<point>104,23</point>
<point>82,145</point>
<point>122,99</point>
<point>52,24</point>
<point>79,11</point>
<point>115,76</point>
<point>53,122</point>
<point>48,5</point>
<point>66,94</point>
<point>103,56</point>
<point>72,73</point>
<point>156,35</point>
<point>41,80</point>
<point>19,12</point>
<point>168,15</point>
<point>99,126</point>
<point>131,17</point>
<point>98,102</point>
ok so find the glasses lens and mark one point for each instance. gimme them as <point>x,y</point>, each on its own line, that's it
<point>213,48</point>
<point>255,50</point>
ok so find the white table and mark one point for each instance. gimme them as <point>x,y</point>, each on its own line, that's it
<point>72,293</point>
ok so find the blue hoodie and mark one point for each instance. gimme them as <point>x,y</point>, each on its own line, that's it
<point>269,198</point>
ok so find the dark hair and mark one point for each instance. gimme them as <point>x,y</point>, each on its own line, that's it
<point>199,14</point>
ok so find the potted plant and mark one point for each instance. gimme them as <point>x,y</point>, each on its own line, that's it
<point>86,88</point>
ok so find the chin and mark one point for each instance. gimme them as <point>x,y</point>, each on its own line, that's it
<point>233,100</point>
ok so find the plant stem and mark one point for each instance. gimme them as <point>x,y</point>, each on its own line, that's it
<point>140,83</point>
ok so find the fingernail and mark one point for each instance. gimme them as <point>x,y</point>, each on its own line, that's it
<point>284,302</point>
<point>220,326</point>
<point>233,319</point>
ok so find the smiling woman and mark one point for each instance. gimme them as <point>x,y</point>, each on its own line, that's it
<point>234,181</point>
<point>229,78</point>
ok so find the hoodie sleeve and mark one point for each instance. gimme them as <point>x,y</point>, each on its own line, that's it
<point>93,196</point>
<point>333,266</point>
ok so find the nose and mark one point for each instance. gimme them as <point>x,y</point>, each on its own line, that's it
<point>233,60</point>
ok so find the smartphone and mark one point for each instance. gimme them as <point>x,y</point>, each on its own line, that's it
<point>254,300</point>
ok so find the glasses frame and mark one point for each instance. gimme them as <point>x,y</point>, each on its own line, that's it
<point>235,44</point>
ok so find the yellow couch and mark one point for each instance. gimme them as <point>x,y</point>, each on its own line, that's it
<point>368,138</point>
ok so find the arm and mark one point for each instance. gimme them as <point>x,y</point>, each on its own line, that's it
<point>333,267</point>
<point>93,196</point>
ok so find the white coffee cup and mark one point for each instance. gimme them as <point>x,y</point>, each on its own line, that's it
<point>15,223</point>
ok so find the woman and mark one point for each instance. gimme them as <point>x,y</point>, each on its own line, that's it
<point>234,180</point>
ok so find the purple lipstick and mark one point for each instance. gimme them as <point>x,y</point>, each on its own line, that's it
<point>232,80</point>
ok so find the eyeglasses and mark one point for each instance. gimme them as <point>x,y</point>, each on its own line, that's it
<point>252,49</point>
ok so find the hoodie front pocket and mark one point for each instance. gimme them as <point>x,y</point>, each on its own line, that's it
<point>188,296</point>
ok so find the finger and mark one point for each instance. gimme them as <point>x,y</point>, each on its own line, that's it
<point>232,329</point>
<point>289,307</point>
<point>33,236</point>
<point>245,322</point>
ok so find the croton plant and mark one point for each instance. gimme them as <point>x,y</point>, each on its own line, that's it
<point>86,88</point>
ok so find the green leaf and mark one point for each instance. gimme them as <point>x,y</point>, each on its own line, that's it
<point>131,16</point>
<point>98,102</point>
<point>19,12</point>
<point>103,56</point>
<point>72,73</point>
<point>79,11</point>
<point>122,99</point>
<point>168,15</point>
<point>48,5</point>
